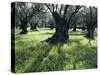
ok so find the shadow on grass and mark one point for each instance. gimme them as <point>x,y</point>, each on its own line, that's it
<point>34,66</point>
<point>52,59</point>
<point>55,61</point>
<point>41,57</point>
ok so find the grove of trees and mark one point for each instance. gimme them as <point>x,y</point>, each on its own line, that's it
<point>52,37</point>
<point>60,17</point>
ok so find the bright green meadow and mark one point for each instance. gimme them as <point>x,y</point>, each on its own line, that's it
<point>34,55</point>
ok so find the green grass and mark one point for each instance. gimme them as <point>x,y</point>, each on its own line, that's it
<point>35,56</point>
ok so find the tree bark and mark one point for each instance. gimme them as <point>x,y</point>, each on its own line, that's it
<point>74,28</point>
<point>90,27</point>
<point>24,28</point>
<point>34,27</point>
<point>62,24</point>
<point>90,34</point>
<point>61,34</point>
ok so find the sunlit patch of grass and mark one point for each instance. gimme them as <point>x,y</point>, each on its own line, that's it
<point>39,35</point>
<point>32,55</point>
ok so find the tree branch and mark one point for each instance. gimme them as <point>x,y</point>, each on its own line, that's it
<point>76,10</point>
<point>48,8</point>
<point>53,7</point>
<point>56,6</point>
<point>60,9</point>
<point>65,11</point>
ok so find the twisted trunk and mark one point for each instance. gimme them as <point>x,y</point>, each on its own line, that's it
<point>90,26</point>
<point>24,28</point>
<point>61,34</point>
<point>90,33</point>
<point>74,28</point>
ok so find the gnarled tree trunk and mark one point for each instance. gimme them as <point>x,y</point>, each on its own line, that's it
<point>34,27</point>
<point>90,33</point>
<point>61,34</point>
<point>62,22</point>
<point>90,26</point>
<point>24,28</point>
<point>74,28</point>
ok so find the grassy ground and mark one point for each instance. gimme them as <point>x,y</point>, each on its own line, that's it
<point>35,56</point>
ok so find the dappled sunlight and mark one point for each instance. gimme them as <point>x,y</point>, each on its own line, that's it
<point>34,36</point>
<point>52,37</point>
<point>40,56</point>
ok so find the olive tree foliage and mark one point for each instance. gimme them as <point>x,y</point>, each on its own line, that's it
<point>90,17</point>
<point>78,21</point>
<point>51,21</point>
<point>41,19</point>
<point>25,11</point>
<point>62,15</point>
